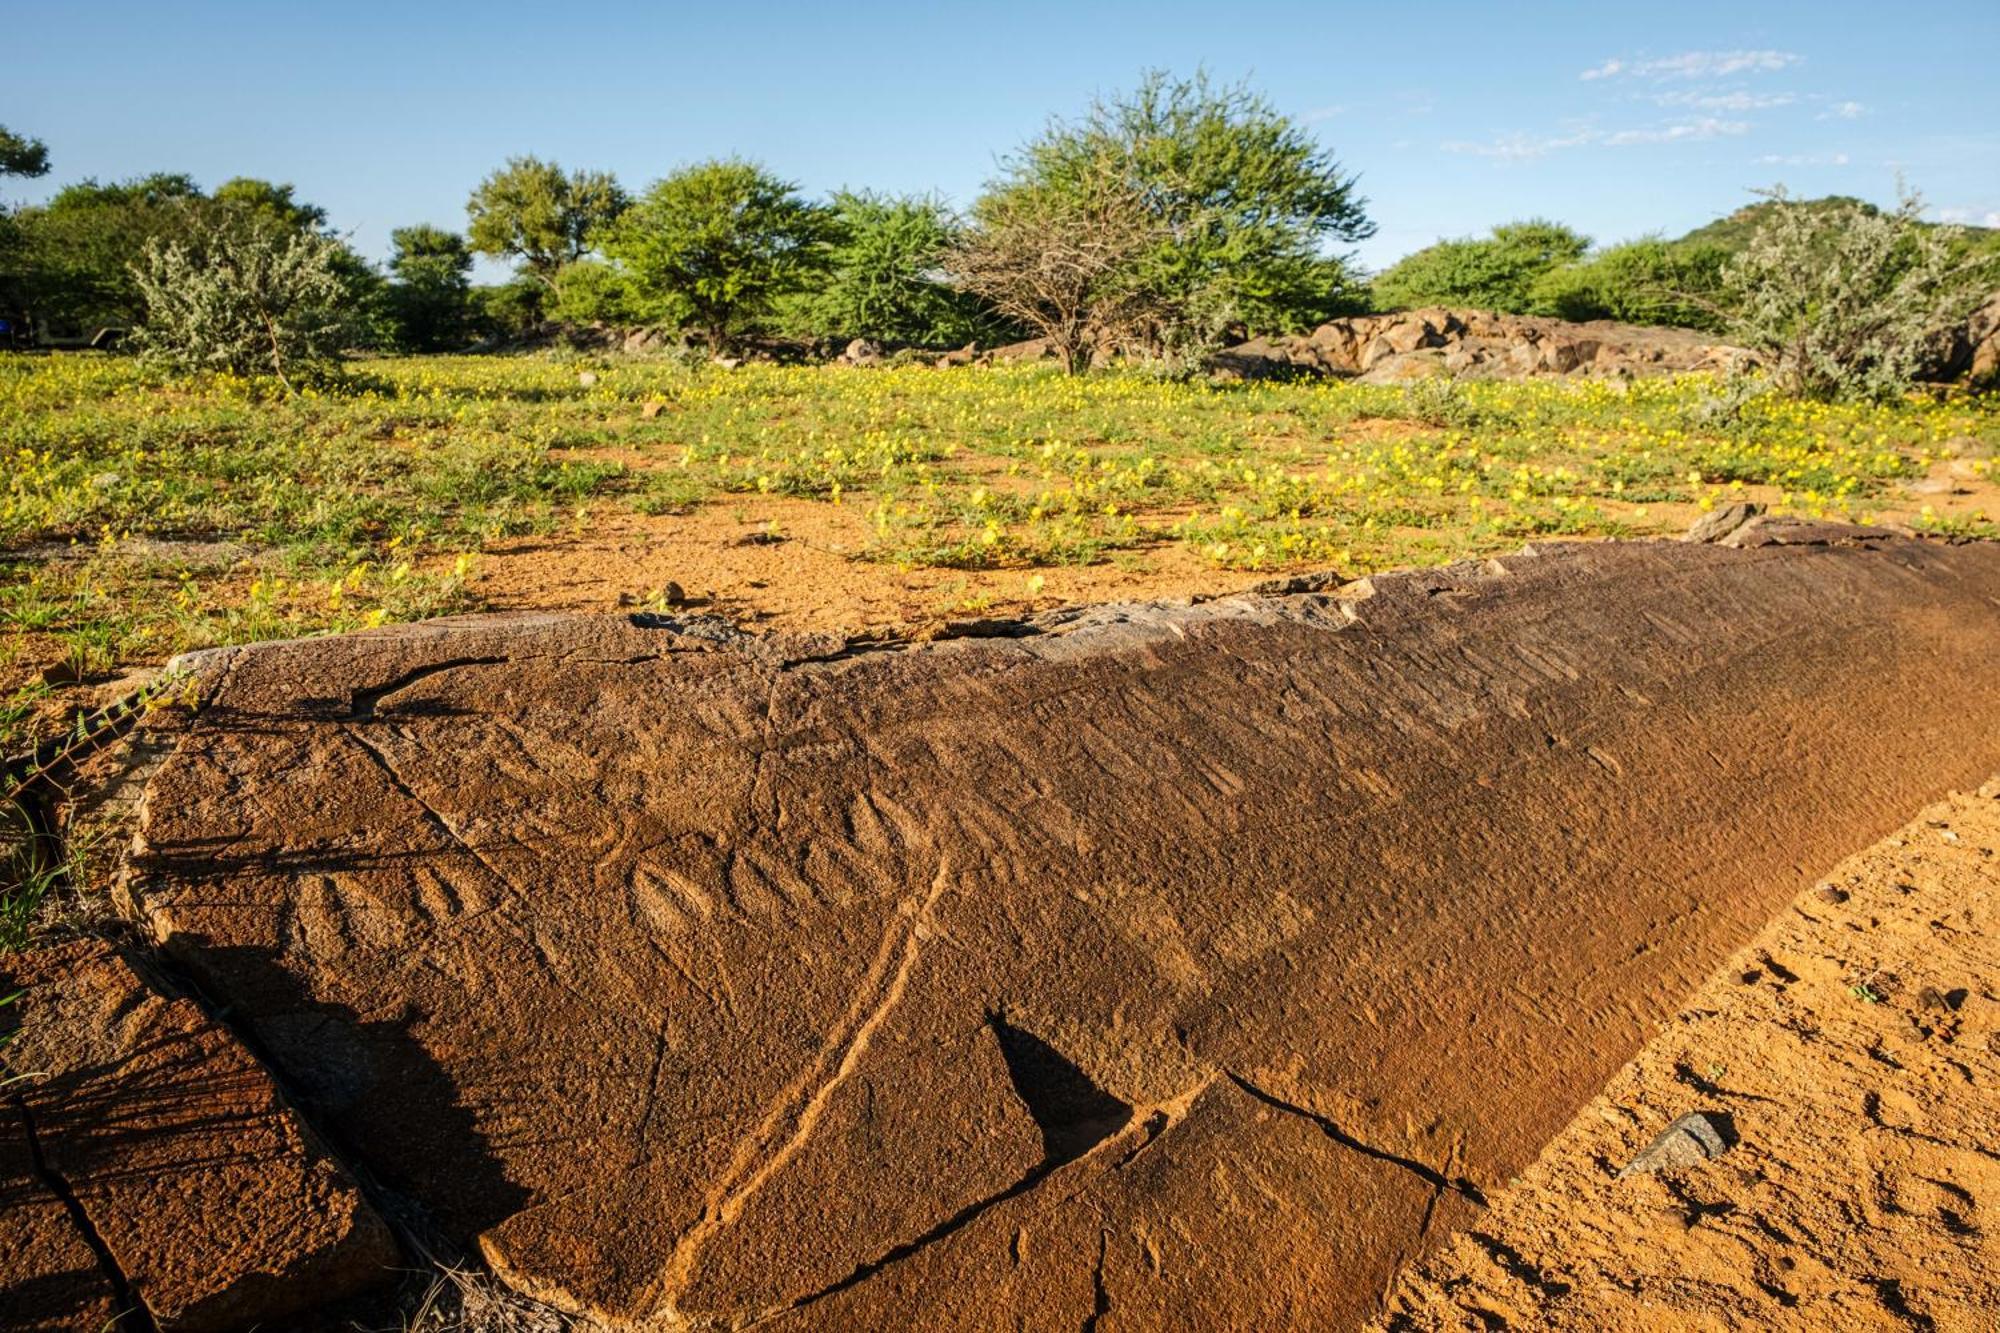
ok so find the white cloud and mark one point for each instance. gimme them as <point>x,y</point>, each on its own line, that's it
<point>1844,111</point>
<point>1708,127</point>
<point>1698,65</point>
<point>1970,217</point>
<point>1803,160</point>
<point>1526,147</point>
<point>1521,147</point>
<point>1320,113</point>
<point>1738,100</point>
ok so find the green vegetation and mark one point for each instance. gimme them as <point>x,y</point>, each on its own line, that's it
<point>252,295</point>
<point>545,218</point>
<point>1498,273</point>
<point>714,246</point>
<point>883,276</point>
<point>1849,301</point>
<point>147,516</point>
<point>430,292</point>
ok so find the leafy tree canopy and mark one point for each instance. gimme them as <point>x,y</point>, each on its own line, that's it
<point>1497,272</point>
<point>1247,203</point>
<point>22,156</point>
<point>884,277</point>
<point>712,246</point>
<point>535,212</point>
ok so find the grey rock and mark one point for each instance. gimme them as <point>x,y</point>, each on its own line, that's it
<point>1694,1138</point>
<point>1713,527</point>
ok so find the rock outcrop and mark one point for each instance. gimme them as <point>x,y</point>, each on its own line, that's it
<point>1416,343</point>
<point>1973,354</point>
<point>1173,965</point>
<point>146,1159</point>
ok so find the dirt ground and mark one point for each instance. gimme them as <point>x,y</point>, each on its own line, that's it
<point>1855,1047</point>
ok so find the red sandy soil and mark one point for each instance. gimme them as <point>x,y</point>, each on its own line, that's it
<point>1856,1047</point>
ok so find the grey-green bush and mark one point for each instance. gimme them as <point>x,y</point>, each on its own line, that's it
<point>1850,301</point>
<point>250,299</point>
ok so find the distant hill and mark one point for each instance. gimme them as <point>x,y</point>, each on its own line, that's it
<point>1733,232</point>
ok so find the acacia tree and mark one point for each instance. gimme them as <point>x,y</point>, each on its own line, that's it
<point>1245,205</point>
<point>712,246</point>
<point>1062,258</point>
<point>534,212</point>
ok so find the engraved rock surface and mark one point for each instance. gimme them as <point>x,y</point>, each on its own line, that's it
<point>1157,966</point>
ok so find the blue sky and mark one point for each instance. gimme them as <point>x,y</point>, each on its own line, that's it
<point>1618,119</point>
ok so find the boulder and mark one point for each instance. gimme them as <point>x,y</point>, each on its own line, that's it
<point>1168,965</point>
<point>185,1182</point>
<point>862,352</point>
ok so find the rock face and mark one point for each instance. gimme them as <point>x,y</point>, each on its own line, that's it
<point>147,1159</point>
<point>1164,966</point>
<point>1415,343</point>
<point>1974,352</point>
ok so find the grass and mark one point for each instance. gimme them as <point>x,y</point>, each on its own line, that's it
<point>141,517</point>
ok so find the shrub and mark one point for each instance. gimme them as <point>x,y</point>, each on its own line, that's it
<point>1498,273</point>
<point>1849,301</point>
<point>884,275</point>
<point>1062,260</point>
<point>1648,281</point>
<point>249,299</point>
<point>591,291</point>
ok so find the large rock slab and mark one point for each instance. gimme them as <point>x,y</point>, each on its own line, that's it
<point>149,1162</point>
<point>1164,966</point>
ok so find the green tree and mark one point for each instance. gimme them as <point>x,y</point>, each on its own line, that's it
<point>884,277</point>
<point>711,247</point>
<point>596,292</point>
<point>76,251</point>
<point>22,156</point>
<point>430,289</point>
<point>19,156</point>
<point>1497,273</point>
<point>251,298</point>
<point>1246,204</point>
<point>273,202</point>
<point>545,218</point>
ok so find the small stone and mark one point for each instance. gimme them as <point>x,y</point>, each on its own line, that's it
<point>673,594</point>
<point>651,410</point>
<point>1715,526</point>
<point>1696,1137</point>
<point>1827,893</point>
<point>587,378</point>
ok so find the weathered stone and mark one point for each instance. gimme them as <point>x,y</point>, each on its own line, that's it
<point>51,1280</point>
<point>1719,523</point>
<point>1692,1139</point>
<point>204,1196</point>
<point>1193,965</point>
